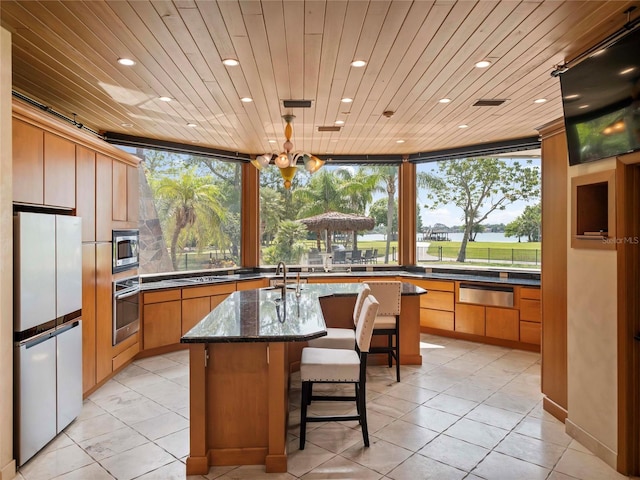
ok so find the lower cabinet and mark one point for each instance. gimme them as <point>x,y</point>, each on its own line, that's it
<point>470,319</point>
<point>503,323</point>
<point>197,302</point>
<point>162,317</point>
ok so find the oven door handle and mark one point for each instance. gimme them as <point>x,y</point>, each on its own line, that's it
<point>127,295</point>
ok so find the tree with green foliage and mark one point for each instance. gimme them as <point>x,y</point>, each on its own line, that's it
<point>190,206</point>
<point>527,224</point>
<point>288,244</point>
<point>378,212</point>
<point>387,181</point>
<point>479,186</point>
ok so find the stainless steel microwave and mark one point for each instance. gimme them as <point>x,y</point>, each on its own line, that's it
<point>126,250</point>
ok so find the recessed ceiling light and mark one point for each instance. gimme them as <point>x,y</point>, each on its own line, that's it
<point>444,100</point>
<point>230,62</point>
<point>192,125</point>
<point>583,106</point>
<point>165,99</point>
<point>483,64</point>
<point>358,63</point>
<point>540,100</point>
<point>339,122</point>
<point>347,100</point>
<point>126,61</point>
<point>126,125</point>
<point>272,141</point>
<point>463,126</point>
<point>399,141</point>
<point>246,99</point>
<point>627,70</point>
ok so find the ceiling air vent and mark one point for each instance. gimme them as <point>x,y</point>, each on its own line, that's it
<point>330,128</point>
<point>491,102</point>
<point>296,103</point>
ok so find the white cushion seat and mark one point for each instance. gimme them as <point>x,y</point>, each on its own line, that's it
<point>336,338</point>
<point>385,322</point>
<point>329,365</point>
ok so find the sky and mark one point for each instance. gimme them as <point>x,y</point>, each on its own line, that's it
<point>451,215</point>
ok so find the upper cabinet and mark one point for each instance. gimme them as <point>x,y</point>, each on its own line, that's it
<point>28,163</point>
<point>59,171</point>
<point>55,165</point>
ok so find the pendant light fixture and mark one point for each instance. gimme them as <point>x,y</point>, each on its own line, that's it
<point>287,160</point>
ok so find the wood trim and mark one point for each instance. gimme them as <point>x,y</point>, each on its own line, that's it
<point>553,292</point>
<point>481,339</point>
<point>35,117</point>
<point>152,352</point>
<point>554,409</point>
<point>250,238</point>
<point>278,369</point>
<point>628,267</point>
<point>197,411</point>
<point>237,456</point>
<point>124,358</point>
<point>407,195</point>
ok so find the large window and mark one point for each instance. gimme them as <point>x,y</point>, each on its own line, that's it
<point>190,215</point>
<point>339,217</point>
<point>480,211</point>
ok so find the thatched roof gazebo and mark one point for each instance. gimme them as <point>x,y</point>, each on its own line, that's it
<point>338,222</point>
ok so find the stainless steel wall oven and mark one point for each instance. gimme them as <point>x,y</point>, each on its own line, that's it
<point>126,308</point>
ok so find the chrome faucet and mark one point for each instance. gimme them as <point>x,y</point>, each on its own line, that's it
<point>284,275</point>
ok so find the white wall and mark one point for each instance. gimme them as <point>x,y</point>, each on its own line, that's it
<point>592,340</point>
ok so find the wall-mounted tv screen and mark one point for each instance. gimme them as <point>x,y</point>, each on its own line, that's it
<point>601,100</point>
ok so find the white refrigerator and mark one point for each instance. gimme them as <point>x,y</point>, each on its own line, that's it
<point>48,327</point>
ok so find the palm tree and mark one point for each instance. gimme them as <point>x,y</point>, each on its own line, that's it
<point>386,178</point>
<point>358,192</point>
<point>190,205</point>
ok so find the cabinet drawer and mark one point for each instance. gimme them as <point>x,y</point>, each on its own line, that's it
<point>530,310</point>
<point>470,319</point>
<point>530,332</point>
<point>163,296</point>
<point>437,300</point>
<point>430,285</point>
<point>503,323</point>
<point>532,293</point>
<point>122,358</point>
<point>194,292</point>
<point>252,284</point>
<point>436,319</point>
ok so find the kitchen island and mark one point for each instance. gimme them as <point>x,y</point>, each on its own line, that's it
<point>239,370</point>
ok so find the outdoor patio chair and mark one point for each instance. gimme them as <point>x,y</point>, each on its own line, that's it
<point>368,255</point>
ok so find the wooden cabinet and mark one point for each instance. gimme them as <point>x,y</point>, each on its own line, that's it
<point>199,301</point>
<point>104,312</point>
<point>437,306</point>
<point>502,323</point>
<point>59,171</point>
<point>28,163</point>
<point>103,198</point>
<point>119,191</point>
<point>133,194</point>
<point>470,319</point>
<point>530,310</point>
<point>530,332</point>
<point>162,318</point>
<point>88,317</point>
<point>86,191</point>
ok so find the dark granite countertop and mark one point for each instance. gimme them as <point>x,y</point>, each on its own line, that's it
<point>263,315</point>
<point>526,279</point>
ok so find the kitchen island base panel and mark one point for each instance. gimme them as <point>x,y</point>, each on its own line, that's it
<point>238,405</point>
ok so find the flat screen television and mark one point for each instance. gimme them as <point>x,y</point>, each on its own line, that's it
<point>601,101</point>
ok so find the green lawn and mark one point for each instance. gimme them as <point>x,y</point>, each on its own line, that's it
<point>509,253</point>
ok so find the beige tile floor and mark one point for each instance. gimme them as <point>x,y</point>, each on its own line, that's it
<point>470,411</point>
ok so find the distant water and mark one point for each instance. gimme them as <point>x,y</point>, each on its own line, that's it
<point>454,237</point>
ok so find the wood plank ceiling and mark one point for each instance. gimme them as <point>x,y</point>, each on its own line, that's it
<point>65,56</point>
